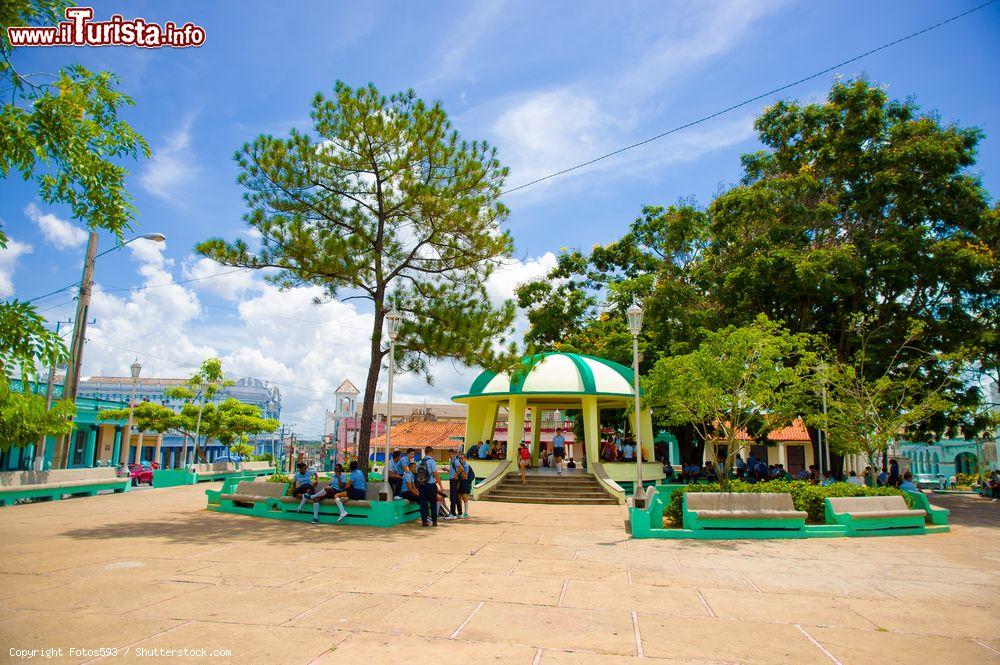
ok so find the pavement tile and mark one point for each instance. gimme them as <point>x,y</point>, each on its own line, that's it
<point>99,594</point>
<point>814,610</point>
<point>237,604</point>
<point>531,590</point>
<point>726,640</point>
<point>347,611</point>
<point>77,630</point>
<point>15,585</point>
<point>864,647</point>
<point>366,647</point>
<point>637,597</point>
<point>553,627</point>
<point>247,644</point>
<point>905,617</point>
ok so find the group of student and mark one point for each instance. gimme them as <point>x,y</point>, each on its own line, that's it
<point>618,449</point>
<point>411,478</point>
<point>487,450</point>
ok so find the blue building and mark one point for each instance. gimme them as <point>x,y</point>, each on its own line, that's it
<point>167,449</point>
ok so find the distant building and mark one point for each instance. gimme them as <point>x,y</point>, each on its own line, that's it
<point>168,449</point>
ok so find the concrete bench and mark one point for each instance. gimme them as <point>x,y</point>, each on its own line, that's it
<point>256,468</point>
<point>935,514</point>
<point>56,483</point>
<point>874,514</point>
<point>750,510</point>
<point>253,498</point>
<point>249,492</point>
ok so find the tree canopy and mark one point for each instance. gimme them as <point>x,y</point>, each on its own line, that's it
<point>856,206</point>
<point>382,202</point>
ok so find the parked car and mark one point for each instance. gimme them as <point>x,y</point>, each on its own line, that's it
<point>141,473</point>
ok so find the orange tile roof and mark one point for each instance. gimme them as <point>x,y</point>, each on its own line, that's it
<point>794,432</point>
<point>421,433</point>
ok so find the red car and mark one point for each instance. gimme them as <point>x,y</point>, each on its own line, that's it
<point>141,474</point>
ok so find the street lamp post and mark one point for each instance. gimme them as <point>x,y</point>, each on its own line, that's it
<point>392,321</point>
<point>270,413</point>
<point>203,386</point>
<point>134,369</point>
<point>634,315</point>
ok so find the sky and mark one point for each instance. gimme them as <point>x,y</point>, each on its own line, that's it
<point>550,84</point>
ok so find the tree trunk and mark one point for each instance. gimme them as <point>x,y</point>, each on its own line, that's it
<point>371,383</point>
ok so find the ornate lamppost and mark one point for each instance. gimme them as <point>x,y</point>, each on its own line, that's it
<point>392,322</point>
<point>634,315</point>
<point>134,369</point>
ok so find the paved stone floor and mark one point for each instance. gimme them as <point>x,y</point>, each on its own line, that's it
<point>516,584</point>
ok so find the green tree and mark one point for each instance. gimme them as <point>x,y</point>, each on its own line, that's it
<point>63,129</point>
<point>740,381</point>
<point>230,421</point>
<point>860,206</point>
<point>198,390</point>
<point>146,417</point>
<point>383,202</point>
<point>24,419</point>
<point>871,405</point>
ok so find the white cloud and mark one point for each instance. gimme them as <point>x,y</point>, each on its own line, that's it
<point>502,283</point>
<point>454,60</point>
<point>229,284</point>
<point>8,263</point>
<point>173,166</point>
<point>59,233</point>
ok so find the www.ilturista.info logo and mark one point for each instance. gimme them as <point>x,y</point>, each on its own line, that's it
<point>80,30</point>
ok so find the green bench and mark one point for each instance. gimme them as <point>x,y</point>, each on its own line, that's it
<point>935,514</point>
<point>57,483</point>
<point>263,499</point>
<point>751,511</point>
<point>874,515</point>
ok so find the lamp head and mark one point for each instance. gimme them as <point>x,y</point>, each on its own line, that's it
<point>155,237</point>
<point>392,322</point>
<point>634,315</point>
<point>135,368</point>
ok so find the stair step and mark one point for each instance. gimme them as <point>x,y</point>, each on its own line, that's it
<point>607,501</point>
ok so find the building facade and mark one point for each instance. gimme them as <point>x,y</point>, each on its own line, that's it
<point>167,449</point>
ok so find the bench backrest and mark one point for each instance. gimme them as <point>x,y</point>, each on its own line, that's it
<point>261,489</point>
<point>27,478</point>
<point>256,466</point>
<point>214,467</point>
<point>857,505</point>
<point>755,501</point>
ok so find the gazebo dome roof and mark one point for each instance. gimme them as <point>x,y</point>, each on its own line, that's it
<point>556,374</point>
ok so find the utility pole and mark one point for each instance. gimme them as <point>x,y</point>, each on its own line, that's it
<point>72,382</point>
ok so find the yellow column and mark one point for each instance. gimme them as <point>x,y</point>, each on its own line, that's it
<point>138,449</point>
<point>591,427</point>
<point>159,444</point>
<point>474,423</point>
<point>515,425</point>
<point>782,457</point>
<point>489,420</point>
<point>536,434</point>
<point>645,428</point>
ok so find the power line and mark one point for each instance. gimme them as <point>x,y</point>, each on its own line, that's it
<point>140,288</point>
<point>751,99</point>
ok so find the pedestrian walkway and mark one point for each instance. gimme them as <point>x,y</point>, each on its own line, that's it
<point>516,583</point>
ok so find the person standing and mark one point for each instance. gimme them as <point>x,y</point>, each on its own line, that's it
<point>465,488</point>
<point>454,485</point>
<point>559,450</point>
<point>894,479</point>
<point>523,459</point>
<point>427,482</point>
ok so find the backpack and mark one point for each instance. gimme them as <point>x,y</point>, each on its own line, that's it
<point>470,477</point>
<point>525,454</point>
<point>423,473</point>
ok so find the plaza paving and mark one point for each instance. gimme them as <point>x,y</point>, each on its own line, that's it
<point>516,584</point>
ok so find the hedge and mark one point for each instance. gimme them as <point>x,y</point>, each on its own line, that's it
<point>806,496</point>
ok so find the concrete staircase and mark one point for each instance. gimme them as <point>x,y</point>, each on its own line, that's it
<point>568,489</point>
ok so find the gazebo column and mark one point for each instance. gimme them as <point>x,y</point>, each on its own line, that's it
<point>591,427</point>
<point>536,434</point>
<point>515,425</point>
<point>645,428</point>
<point>479,421</point>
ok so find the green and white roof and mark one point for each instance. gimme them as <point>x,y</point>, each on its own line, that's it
<point>556,374</point>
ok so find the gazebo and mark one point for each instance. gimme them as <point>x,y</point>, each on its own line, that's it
<point>557,381</point>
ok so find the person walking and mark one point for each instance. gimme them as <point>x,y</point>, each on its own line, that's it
<point>559,450</point>
<point>523,459</point>
<point>427,482</point>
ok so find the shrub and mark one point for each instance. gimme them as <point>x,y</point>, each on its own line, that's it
<point>280,478</point>
<point>969,479</point>
<point>805,496</point>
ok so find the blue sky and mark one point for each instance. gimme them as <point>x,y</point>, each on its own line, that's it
<point>550,84</point>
